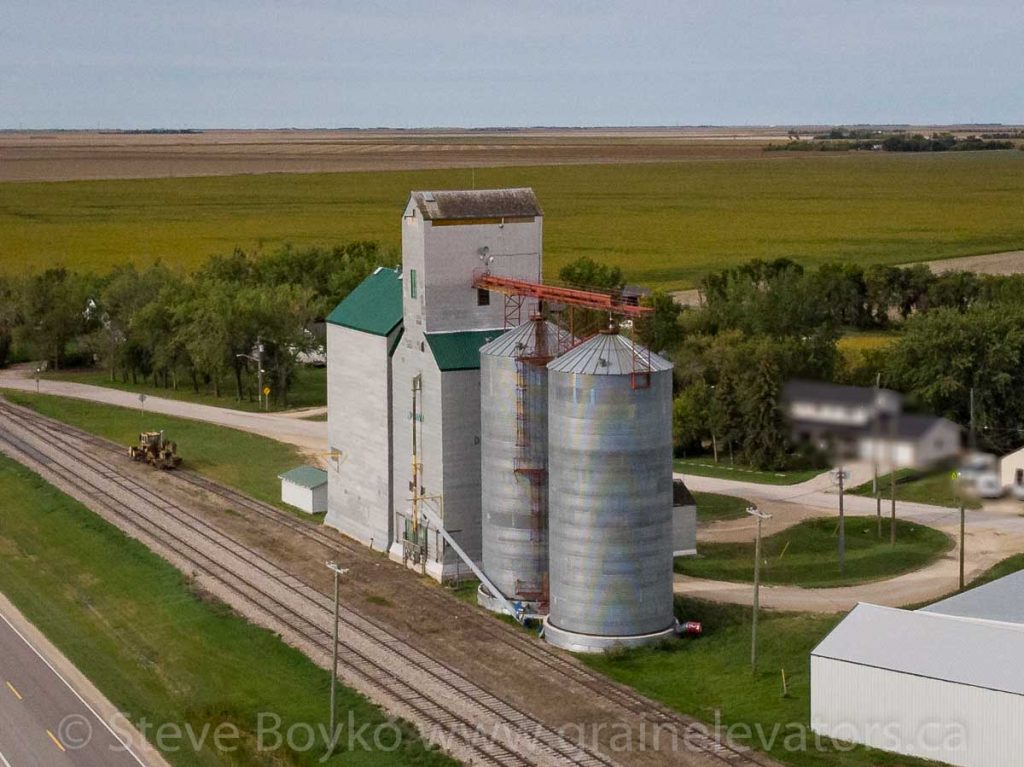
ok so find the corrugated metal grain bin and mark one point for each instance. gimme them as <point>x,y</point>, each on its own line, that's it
<point>514,454</point>
<point>610,496</point>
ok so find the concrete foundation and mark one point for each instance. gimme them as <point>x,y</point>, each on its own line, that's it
<point>592,643</point>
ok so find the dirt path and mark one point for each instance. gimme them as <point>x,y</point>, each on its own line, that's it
<point>310,436</point>
<point>992,535</point>
<point>1007,262</point>
<point>984,547</point>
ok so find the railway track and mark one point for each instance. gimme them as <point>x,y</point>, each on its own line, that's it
<point>547,744</point>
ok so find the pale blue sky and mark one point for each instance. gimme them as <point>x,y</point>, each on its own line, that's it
<point>307,63</point>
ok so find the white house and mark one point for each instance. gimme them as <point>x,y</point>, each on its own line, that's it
<point>1011,469</point>
<point>305,488</point>
<point>916,441</point>
<point>944,683</point>
<point>868,423</point>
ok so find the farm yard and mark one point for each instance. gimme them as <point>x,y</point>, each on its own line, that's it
<point>665,223</point>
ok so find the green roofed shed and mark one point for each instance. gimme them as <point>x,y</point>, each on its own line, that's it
<point>305,488</point>
<point>375,306</point>
<point>305,476</point>
<point>460,350</point>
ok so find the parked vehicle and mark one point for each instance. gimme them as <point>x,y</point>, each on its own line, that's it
<point>976,465</point>
<point>988,486</point>
<point>155,450</point>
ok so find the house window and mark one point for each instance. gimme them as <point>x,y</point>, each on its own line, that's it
<point>412,283</point>
<point>483,297</point>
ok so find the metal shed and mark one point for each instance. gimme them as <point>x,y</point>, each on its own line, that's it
<point>305,488</point>
<point>928,684</point>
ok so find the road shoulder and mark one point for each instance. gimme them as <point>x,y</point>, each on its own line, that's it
<point>79,683</point>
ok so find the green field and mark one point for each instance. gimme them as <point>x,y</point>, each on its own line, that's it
<point>710,678</point>
<point>807,554</point>
<point>160,648</point>
<point>309,388</point>
<point>245,461</point>
<point>664,224</point>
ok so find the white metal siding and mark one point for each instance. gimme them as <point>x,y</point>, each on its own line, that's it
<point>684,530</point>
<point>304,498</point>
<point>450,256</point>
<point>1010,465</point>
<point>916,716</point>
<point>359,426</point>
<point>444,258</point>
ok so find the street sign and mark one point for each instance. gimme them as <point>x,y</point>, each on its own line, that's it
<point>142,398</point>
<point>266,391</point>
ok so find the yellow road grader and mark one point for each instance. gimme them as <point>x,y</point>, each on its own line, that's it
<point>155,450</point>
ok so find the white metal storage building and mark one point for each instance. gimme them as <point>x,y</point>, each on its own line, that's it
<point>305,488</point>
<point>945,683</point>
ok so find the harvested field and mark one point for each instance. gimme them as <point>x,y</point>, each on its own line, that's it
<point>81,155</point>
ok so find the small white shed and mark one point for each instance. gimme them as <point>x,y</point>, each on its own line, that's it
<point>305,488</point>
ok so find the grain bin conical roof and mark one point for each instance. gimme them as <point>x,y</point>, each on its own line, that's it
<point>606,354</point>
<point>534,338</point>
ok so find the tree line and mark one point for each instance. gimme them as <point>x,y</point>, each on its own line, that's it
<point>844,141</point>
<point>765,322</point>
<point>158,324</point>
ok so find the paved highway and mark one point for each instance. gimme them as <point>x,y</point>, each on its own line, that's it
<point>43,720</point>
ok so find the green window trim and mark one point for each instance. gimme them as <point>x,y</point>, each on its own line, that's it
<point>412,283</point>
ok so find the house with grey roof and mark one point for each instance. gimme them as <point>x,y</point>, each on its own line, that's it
<point>867,423</point>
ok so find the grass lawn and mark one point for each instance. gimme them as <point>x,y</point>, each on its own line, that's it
<point>156,646</point>
<point>245,461</point>
<point>705,466</point>
<point>1006,567</point>
<point>710,678</point>
<point>712,507</point>
<point>308,390</point>
<point>665,224</point>
<point>934,487</point>
<point>807,554</point>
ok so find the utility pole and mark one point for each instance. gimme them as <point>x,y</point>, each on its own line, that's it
<point>874,456</point>
<point>258,359</point>
<point>963,540</point>
<point>259,372</point>
<point>974,435</point>
<point>842,525</point>
<point>892,479</point>
<point>752,511</point>
<point>338,572</point>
